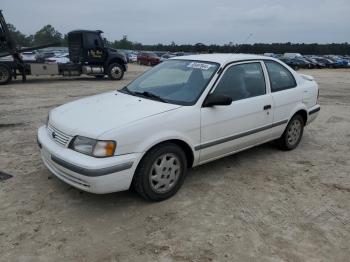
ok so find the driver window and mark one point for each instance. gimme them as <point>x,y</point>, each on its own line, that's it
<point>92,41</point>
<point>242,81</point>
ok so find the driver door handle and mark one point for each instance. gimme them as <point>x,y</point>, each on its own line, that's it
<point>267,107</point>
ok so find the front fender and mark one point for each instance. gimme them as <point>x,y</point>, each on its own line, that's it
<point>116,58</point>
<point>180,124</point>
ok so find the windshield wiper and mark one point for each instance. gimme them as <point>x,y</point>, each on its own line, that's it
<point>150,95</point>
<point>125,89</point>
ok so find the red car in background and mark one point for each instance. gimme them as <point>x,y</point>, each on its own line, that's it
<point>148,58</point>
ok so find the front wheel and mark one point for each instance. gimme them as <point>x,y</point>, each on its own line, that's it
<point>115,71</point>
<point>293,133</point>
<point>5,74</point>
<point>161,172</point>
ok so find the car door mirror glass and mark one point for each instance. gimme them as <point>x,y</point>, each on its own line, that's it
<point>217,100</point>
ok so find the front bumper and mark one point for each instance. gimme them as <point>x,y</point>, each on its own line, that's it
<point>95,175</point>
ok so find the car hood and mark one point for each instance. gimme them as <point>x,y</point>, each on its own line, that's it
<point>95,115</point>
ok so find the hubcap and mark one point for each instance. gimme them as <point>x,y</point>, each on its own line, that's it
<point>165,173</point>
<point>3,74</point>
<point>293,132</point>
<point>116,72</point>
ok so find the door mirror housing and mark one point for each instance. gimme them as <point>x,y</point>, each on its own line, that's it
<point>217,100</point>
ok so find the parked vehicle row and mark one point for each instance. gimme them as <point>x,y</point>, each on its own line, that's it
<point>294,60</point>
<point>297,61</point>
<point>154,58</point>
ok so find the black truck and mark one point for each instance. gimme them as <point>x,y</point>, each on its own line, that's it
<point>87,53</point>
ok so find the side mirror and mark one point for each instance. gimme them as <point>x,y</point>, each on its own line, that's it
<point>217,100</point>
<point>96,43</point>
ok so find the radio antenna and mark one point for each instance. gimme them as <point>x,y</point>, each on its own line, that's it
<point>244,42</point>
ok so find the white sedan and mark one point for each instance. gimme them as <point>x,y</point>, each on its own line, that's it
<point>58,59</point>
<point>185,112</point>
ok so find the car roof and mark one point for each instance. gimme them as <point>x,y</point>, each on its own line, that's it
<point>223,59</point>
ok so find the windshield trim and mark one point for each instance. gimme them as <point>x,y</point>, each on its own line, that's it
<point>175,102</point>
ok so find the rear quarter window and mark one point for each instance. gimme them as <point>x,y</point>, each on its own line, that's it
<point>280,77</point>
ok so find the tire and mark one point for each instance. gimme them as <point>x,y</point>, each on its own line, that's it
<point>99,76</point>
<point>5,74</point>
<point>292,134</point>
<point>115,71</point>
<point>152,168</point>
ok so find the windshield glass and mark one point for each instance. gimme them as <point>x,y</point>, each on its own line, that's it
<point>175,81</point>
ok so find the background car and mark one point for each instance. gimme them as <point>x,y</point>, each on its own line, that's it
<point>295,63</point>
<point>166,57</point>
<point>40,57</point>
<point>29,56</point>
<point>58,59</point>
<point>339,61</point>
<point>132,57</point>
<point>148,58</point>
<point>314,63</point>
<point>327,62</point>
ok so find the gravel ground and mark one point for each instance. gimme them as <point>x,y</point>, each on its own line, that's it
<point>259,205</point>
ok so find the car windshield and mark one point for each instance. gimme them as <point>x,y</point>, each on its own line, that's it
<point>174,81</point>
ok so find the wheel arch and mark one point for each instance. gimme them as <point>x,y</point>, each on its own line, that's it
<point>181,143</point>
<point>116,60</point>
<point>303,114</point>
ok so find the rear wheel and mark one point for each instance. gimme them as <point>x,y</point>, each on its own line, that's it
<point>115,71</point>
<point>293,133</point>
<point>5,74</point>
<point>161,172</point>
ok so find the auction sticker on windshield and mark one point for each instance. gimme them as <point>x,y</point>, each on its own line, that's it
<point>197,65</point>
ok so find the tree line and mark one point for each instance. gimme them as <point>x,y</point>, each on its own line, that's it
<point>48,34</point>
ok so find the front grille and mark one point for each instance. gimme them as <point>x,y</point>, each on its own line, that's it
<point>58,136</point>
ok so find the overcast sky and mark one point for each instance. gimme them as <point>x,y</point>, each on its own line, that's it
<point>189,21</point>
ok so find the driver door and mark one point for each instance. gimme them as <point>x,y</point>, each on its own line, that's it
<point>94,49</point>
<point>226,129</point>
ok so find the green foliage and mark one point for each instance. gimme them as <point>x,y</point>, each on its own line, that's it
<point>21,39</point>
<point>124,43</point>
<point>47,35</point>
<point>258,48</point>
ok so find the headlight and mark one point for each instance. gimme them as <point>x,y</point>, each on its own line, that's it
<point>93,147</point>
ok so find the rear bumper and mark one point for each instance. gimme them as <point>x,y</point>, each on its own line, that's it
<point>95,175</point>
<point>313,113</point>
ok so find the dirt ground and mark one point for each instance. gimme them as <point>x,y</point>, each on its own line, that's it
<point>259,205</point>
